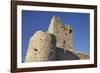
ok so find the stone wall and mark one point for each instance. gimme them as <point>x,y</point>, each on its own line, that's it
<point>41,47</point>
<point>83,56</point>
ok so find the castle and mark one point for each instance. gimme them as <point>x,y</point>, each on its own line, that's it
<point>55,44</point>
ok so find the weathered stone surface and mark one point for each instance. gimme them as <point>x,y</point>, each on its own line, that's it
<point>41,47</point>
<point>64,45</point>
<point>83,56</point>
<point>61,54</point>
<point>63,34</point>
<point>55,44</point>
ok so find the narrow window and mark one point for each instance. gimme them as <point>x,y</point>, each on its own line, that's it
<point>64,43</point>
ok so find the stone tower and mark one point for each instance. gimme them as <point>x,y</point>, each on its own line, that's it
<point>41,47</point>
<point>63,34</point>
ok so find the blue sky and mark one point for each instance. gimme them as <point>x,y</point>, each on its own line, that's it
<point>40,20</point>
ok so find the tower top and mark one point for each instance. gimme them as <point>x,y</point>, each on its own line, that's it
<point>62,32</point>
<point>54,22</point>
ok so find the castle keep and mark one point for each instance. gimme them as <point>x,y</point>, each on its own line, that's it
<point>55,44</point>
<point>62,33</point>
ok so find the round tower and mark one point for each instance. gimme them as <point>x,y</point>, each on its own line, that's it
<point>41,47</point>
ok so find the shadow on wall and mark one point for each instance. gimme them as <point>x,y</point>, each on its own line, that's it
<point>61,54</point>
